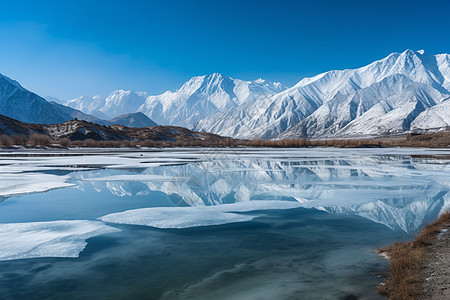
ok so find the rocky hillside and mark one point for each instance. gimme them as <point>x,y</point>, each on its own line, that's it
<point>83,130</point>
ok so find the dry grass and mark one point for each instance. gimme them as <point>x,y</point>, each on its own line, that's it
<point>20,139</point>
<point>407,261</point>
<point>65,142</point>
<point>5,140</point>
<point>37,139</point>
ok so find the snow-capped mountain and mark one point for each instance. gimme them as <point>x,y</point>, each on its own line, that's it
<point>136,119</point>
<point>18,103</point>
<point>386,107</point>
<point>117,103</point>
<point>204,96</point>
<point>383,97</point>
<point>404,92</point>
<point>434,118</point>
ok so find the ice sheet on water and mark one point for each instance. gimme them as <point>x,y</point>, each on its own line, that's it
<point>82,162</point>
<point>196,216</point>
<point>48,239</point>
<point>24,183</point>
<point>175,217</point>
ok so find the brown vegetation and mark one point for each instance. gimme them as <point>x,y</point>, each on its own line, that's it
<point>5,141</point>
<point>65,142</point>
<point>407,261</point>
<point>20,139</point>
<point>37,139</point>
<point>185,139</point>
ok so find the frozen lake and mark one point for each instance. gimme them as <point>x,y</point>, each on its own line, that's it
<point>210,223</point>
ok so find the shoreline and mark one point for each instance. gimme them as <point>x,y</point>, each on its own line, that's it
<point>420,269</point>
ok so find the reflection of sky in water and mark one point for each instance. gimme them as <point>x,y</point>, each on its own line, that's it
<point>280,254</point>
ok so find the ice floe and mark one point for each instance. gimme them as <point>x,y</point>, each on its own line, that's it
<point>48,239</point>
<point>175,217</point>
<point>194,216</point>
<point>24,183</point>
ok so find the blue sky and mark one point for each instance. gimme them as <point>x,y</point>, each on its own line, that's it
<point>72,48</point>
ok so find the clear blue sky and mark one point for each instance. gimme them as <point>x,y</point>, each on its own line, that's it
<point>72,48</point>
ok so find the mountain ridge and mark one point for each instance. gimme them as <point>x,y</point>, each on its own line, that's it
<point>277,116</point>
<point>401,93</point>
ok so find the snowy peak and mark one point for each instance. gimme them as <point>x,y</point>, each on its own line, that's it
<point>421,68</point>
<point>123,102</point>
<point>203,96</point>
<point>362,99</point>
<point>117,103</point>
<point>205,82</point>
<point>198,98</point>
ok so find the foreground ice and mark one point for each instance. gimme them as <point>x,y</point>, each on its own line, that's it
<point>24,183</point>
<point>48,239</point>
<point>175,217</point>
<point>196,216</point>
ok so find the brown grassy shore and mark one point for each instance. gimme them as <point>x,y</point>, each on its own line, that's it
<point>420,269</point>
<point>181,137</point>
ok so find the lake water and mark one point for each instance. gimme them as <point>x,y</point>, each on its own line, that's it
<point>210,223</point>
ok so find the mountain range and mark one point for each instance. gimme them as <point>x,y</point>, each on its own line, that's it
<point>403,92</point>
<point>19,103</point>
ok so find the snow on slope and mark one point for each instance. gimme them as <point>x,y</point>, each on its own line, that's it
<point>203,96</point>
<point>117,103</point>
<point>323,95</point>
<point>18,103</point>
<point>434,118</point>
<point>386,107</point>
